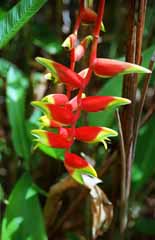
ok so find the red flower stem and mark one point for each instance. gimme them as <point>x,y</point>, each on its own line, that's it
<point>72,53</point>
<point>93,54</point>
<point>78,20</point>
<point>96,33</point>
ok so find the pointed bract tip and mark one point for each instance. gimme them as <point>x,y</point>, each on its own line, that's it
<point>103,27</point>
<point>110,132</point>
<point>44,61</point>
<point>37,103</point>
<point>67,43</point>
<point>48,76</point>
<point>88,38</point>
<point>119,101</point>
<point>137,69</point>
<point>40,135</point>
<point>123,101</point>
<point>44,121</point>
<point>39,59</point>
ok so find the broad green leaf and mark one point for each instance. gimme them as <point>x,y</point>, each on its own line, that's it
<point>73,236</point>
<point>15,19</point>
<point>52,152</point>
<point>2,13</point>
<point>144,165</point>
<point>4,67</point>
<point>45,40</point>
<point>16,87</point>
<point>113,87</point>
<point>146,226</point>
<point>1,193</point>
<point>23,219</point>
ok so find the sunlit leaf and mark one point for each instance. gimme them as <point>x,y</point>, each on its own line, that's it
<point>23,219</point>
<point>17,17</point>
<point>16,87</point>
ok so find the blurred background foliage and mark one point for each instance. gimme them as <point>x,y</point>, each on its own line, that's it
<point>30,28</point>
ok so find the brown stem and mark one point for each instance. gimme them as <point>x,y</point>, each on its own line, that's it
<point>130,85</point>
<point>129,91</point>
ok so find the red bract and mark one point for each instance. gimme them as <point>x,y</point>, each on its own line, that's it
<point>59,99</point>
<point>87,134</point>
<point>74,161</point>
<point>105,67</point>
<point>94,134</point>
<point>81,170</point>
<point>98,103</point>
<point>88,15</point>
<point>61,73</point>
<point>60,114</point>
<point>81,48</point>
<point>51,139</point>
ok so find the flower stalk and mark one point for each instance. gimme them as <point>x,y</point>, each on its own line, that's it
<point>61,112</point>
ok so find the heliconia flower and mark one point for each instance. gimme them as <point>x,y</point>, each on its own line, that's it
<point>99,103</point>
<point>51,139</point>
<point>61,73</point>
<point>81,170</point>
<point>61,114</point>
<point>105,67</point>
<point>81,48</point>
<point>88,16</point>
<point>92,134</point>
<point>58,98</point>
<point>74,103</point>
<point>70,41</point>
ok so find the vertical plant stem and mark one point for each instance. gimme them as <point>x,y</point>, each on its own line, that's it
<point>130,85</point>
<point>129,90</point>
<point>123,175</point>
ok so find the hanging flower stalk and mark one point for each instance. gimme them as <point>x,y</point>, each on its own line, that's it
<point>61,112</point>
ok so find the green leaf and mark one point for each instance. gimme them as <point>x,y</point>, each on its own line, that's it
<point>144,165</point>
<point>1,193</point>
<point>47,41</point>
<point>23,219</point>
<point>16,87</point>
<point>55,153</point>
<point>15,19</point>
<point>145,226</point>
<point>4,67</point>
